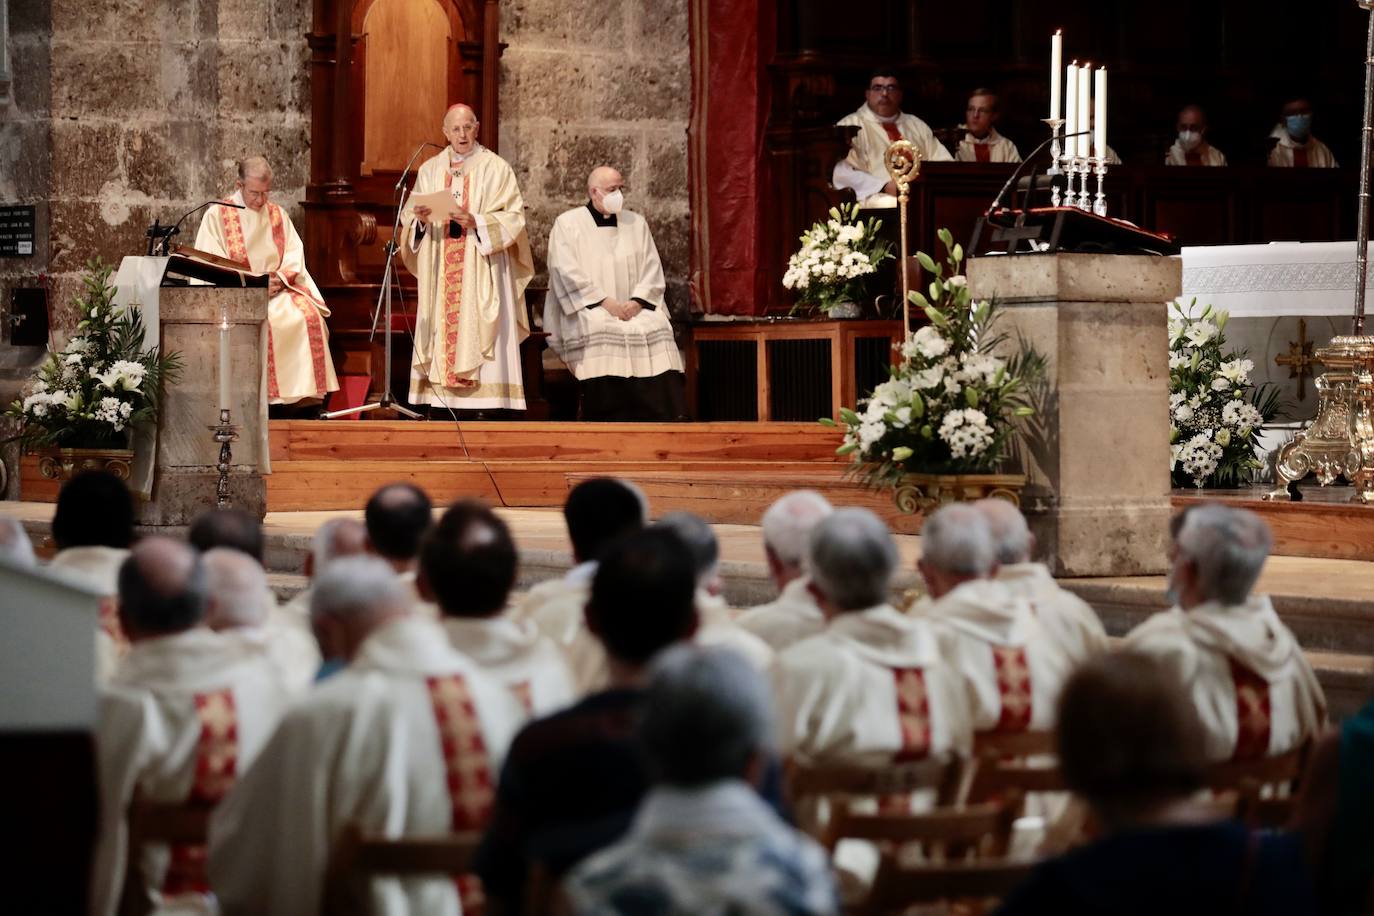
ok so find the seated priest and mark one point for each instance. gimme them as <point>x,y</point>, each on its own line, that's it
<point>983,143</point>
<point>605,313</point>
<point>1294,146</point>
<point>472,262</point>
<point>881,121</point>
<point>262,236</point>
<point>1225,646</point>
<point>1191,147</point>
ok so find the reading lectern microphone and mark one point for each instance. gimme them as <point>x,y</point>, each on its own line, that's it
<point>160,236</point>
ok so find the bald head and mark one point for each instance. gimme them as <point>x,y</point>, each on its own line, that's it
<point>161,588</point>
<point>237,590</point>
<point>605,182</point>
<point>602,177</point>
<point>460,128</point>
<point>1011,537</point>
<point>787,529</point>
<point>335,539</point>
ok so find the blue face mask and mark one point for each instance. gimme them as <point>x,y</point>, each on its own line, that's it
<point>1298,126</point>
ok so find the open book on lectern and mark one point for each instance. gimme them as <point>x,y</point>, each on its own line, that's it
<point>188,264</point>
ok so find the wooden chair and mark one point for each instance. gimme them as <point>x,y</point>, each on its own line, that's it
<point>1002,745</point>
<point>157,822</point>
<point>943,832</point>
<point>1001,764</point>
<point>359,856</point>
<point>898,887</point>
<point>1266,787</point>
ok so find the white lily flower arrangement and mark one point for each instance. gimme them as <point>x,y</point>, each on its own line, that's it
<point>837,259</point>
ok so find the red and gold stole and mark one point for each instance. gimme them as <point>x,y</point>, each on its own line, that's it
<point>455,257</point>
<point>306,305</point>
<point>1254,716</point>
<point>913,714</point>
<point>1013,687</point>
<point>467,766</point>
<point>217,754</point>
<point>893,133</point>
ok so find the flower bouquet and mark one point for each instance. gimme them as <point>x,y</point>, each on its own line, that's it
<point>837,258</point>
<point>1215,413</point>
<point>101,384</point>
<point>953,400</point>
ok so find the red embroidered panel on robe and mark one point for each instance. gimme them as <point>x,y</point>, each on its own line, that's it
<point>1013,688</point>
<point>1254,715</point>
<point>467,765</point>
<point>913,713</point>
<point>217,754</point>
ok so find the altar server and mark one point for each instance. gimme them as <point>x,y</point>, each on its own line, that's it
<point>881,121</point>
<point>983,143</point>
<point>794,614</point>
<point>1252,686</point>
<point>406,741</point>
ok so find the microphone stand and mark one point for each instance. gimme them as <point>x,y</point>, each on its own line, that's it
<point>160,236</point>
<point>387,399</point>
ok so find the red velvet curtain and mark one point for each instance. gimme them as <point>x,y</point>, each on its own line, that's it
<point>731,43</point>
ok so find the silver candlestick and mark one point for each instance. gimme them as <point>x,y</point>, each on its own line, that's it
<point>1100,170</point>
<point>224,433</point>
<point>1084,169</point>
<point>1056,126</point>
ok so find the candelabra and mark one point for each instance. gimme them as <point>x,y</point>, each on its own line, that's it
<point>224,433</point>
<point>1099,164</point>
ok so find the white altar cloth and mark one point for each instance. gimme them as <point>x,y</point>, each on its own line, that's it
<point>1294,279</point>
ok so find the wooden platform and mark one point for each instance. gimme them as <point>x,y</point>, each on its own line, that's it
<point>1325,524</point>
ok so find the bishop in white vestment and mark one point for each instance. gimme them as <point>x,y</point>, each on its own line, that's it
<point>881,121</point>
<point>472,272</point>
<point>263,237</point>
<point>605,312</point>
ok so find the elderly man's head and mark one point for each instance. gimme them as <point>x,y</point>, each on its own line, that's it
<point>162,589</point>
<point>956,547</point>
<point>15,545</point>
<point>851,559</point>
<point>351,598</point>
<point>787,527</point>
<point>335,539</point>
<point>606,188</point>
<point>397,517</point>
<point>233,528</point>
<point>1011,536</point>
<point>94,509</point>
<point>1218,556</point>
<point>981,114</point>
<point>468,562</point>
<point>237,589</point>
<point>643,597</point>
<point>461,128</point>
<point>255,181</point>
<point>702,547</point>
<point>884,93</point>
<point>601,510</point>
<point>707,717</point>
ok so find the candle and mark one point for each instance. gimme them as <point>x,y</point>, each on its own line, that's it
<point>224,368</point>
<point>1056,73</point>
<point>1085,107</point>
<point>1071,108</point>
<point>1100,114</point>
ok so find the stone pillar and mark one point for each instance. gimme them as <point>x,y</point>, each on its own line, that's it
<point>1098,495</point>
<point>184,485</point>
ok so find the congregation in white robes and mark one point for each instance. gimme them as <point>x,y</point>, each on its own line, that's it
<point>788,619</point>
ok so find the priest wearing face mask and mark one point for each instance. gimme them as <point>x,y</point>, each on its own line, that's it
<point>605,312</point>
<point>1191,147</point>
<point>1296,148</point>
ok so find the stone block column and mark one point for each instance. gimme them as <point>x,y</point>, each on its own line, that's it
<point>184,485</point>
<point>1098,495</point>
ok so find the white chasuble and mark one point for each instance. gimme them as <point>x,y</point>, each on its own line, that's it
<point>864,170</point>
<point>471,314</point>
<point>1068,620</point>
<point>589,262</point>
<point>297,352</point>
<point>1012,668</point>
<point>992,148</point>
<point>182,718</point>
<point>790,618</point>
<point>405,741</point>
<point>518,655</point>
<point>1252,686</point>
<point>98,567</point>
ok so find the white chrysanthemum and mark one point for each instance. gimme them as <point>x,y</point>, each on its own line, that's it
<point>1182,413</point>
<point>929,342</point>
<point>77,345</point>
<point>980,368</point>
<point>926,379</point>
<point>1238,414</point>
<point>1199,457</point>
<point>111,411</point>
<point>870,431</point>
<point>1221,384</point>
<point>966,432</point>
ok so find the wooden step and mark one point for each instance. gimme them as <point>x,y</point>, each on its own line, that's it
<point>1325,524</point>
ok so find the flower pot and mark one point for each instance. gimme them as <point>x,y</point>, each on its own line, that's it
<point>65,463</point>
<point>923,492</point>
<point>845,310</point>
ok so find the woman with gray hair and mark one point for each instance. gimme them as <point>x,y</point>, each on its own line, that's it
<point>703,840</point>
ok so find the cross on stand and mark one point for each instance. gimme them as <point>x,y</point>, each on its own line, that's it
<point>1299,359</point>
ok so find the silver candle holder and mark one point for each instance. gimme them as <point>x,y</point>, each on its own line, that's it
<point>224,432</point>
<point>1099,164</point>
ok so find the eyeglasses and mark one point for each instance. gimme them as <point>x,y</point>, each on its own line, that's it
<point>972,109</point>
<point>888,88</point>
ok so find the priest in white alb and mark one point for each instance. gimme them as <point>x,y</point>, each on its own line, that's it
<point>263,237</point>
<point>407,740</point>
<point>881,121</point>
<point>473,262</point>
<point>1294,145</point>
<point>1253,687</point>
<point>983,143</point>
<point>794,614</point>
<point>605,312</point>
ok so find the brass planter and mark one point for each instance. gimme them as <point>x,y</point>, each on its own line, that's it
<point>923,492</point>
<point>66,463</point>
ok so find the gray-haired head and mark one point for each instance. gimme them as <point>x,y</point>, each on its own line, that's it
<point>358,589</point>
<point>788,523</point>
<point>1011,536</point>
<point>700,540</point>
<point>237,589</point>
<point>955,540</point>
<point>337,538</point>
<point>254,167</point>
<point>1228,548</point>
<point>706,715</point>
<point>851,559</point>
<point>15,545</point>
<point>161,588</point>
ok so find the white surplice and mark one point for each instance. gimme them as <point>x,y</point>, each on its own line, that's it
<point>790,618</point>
<point>1000,149</point>
<point>1012,667</point>
<point>1319,155</point>
<point>1210,155</point>
<point>518,655</point>
<point>1269,706</point>
<point>182,717</point>
<point>864,170</point>
<point>1068,619</point>
<point>98,567</point>
<point>589,262</point>
<point>406,741</point>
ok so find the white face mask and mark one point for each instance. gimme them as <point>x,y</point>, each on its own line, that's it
<point>1189,139</point>
<point>612,202</point>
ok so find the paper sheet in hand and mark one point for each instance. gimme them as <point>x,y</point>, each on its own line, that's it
<point>441,202</point>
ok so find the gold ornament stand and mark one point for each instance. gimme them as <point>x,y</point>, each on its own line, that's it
<point>903,163</point>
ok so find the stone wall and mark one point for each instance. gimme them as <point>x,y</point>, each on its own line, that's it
<point>587,82</point>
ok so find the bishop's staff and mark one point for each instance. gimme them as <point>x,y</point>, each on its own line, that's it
<point>903,163</point>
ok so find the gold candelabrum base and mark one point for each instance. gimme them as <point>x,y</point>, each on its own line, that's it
<point>1340,440</point>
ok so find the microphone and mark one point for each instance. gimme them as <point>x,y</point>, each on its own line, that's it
<point>1019,168</point>
<point>163,234</point>
<point>406,171</point>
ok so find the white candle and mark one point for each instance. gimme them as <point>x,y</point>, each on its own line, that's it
<point>1100,114</point>
<point>1071,108</point>
<point>1085,107</point>
<point>1056,73</point>
<point>224,368</point>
